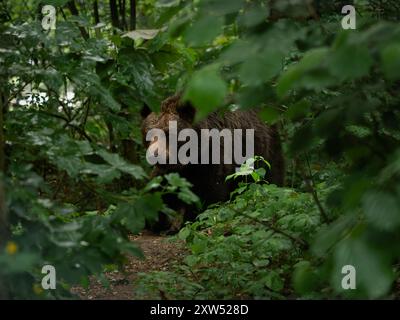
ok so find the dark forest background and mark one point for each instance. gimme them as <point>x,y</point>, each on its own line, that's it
<point>75,183</point>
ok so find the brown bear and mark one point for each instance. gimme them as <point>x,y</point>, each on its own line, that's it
<point>208,180</point>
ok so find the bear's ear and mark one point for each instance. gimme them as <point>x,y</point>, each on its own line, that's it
<point>186,111</point>
<point>145,111</point>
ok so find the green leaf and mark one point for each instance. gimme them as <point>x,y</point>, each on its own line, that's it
<point>374,274</point>
<point>141,34</point>
<point>350,62</point>
<point>250,97</point>
<point>391,61</point>
<point>176,181</point>
<point>184,233</point>
<point>238,51</point>
<point>149,205</point>
<point>261,172</point>
<point>312,59</point>
<point>18,263</point>
<point>261,262</point>
<point>270,115</point>
<point>392,168</point>
<point>382,210</point>
<point>255,16</point>
<point>132,249</point>
<point>221,7</point>
<point>304,279</point>
<point>188,196</point>
<point>206,90</point>
<point>273,281</point>
<point>134,214</point>
<point>328,236</point>
<point>131,218</point>
<point>84,78</point>
<point>154,183</point>
<point>204,30</point>
<point>261,67</point>
<point>118,163</point>
<point>198,246</point>
<point>298,110</point>
<point>105,173</point>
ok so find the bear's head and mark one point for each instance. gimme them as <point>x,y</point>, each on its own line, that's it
<point>174,113</point>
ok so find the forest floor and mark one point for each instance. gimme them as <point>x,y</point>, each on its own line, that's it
<point>160,253</point>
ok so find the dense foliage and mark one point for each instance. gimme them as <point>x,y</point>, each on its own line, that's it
<point>75,182</point>
<point>242,249</point>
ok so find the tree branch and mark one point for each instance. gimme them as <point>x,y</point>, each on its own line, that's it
<point>311,188</point>
<point>74,11</point>
<point>77,128</point>
<point>299,241</point>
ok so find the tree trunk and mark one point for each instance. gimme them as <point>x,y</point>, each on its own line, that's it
<point>3,209</point>
<point>111,137</point>
<point>129,150</point>
<point>4,230</point>
<point>114,13</point>
<point>122,5</point>
<point>96,18</point>
<point>132,14</point>
<point>74,11</point>
<point>96,12</point>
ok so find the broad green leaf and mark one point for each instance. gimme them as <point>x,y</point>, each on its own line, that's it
<point>298,109</point>
<point>312,59</point>
<point>373,268</point>
<point>154,183</point>
<point>270,115</point>
<point>391,61</point>
<point>133,219</point>
<point>392,168</point>
<point>184,233</point>
<point>328,236</point>
<point>206,90</point>
<point>239,51</point>
<point>133,249</point>
<point>90,80</point>
<point>261,67</point>
<point>149,205</point>
<point>141,34</point>
<point>204,30</point>
<point>221,7</point>
<point>273,281</point>
<point>188,196</point>
<point>176,181</point>
<point>350,62</point>
<point>118,163</point>
<point>304,277</point>
<point>104,173</point>
<point>255,16</point>
<point>382,210</point>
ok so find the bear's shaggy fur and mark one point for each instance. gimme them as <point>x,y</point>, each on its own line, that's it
<point>209,179</point>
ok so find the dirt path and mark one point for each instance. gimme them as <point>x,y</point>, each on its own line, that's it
<point>160,253</point>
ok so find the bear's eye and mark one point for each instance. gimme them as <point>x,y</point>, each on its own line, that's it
<point>145,111</point>
<point>186,111</point>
